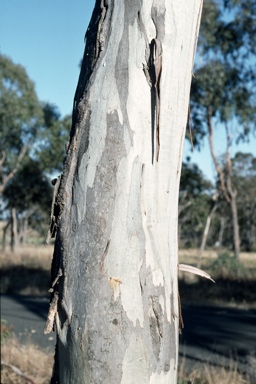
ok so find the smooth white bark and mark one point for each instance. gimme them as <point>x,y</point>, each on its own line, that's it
<point>118,230</point>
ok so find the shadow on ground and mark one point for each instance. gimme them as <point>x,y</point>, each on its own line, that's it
<point>226,291</point>
<point>26,280</point>
<point>219,336</point>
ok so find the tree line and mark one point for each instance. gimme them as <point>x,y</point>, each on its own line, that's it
<point>33,137</point>
<point>114,277</point>
<point>32,148</point>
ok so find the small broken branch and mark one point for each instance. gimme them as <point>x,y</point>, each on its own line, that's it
<point>195,271</point>
<point>17,371</point>
<point>15,169</point>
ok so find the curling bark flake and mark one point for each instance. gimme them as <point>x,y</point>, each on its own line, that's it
<point>114,269</point>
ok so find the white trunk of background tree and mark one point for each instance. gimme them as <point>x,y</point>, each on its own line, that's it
<point>115,264</point>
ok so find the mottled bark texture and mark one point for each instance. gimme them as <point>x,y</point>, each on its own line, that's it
<point>114,270</point>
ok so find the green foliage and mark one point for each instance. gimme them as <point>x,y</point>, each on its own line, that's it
<point>20,111</point>
<point>224,77</point>
<point>52,138</point>
<point>228,267</point>
<point>244,182</point>
<point>6,331</point>
<point>38,127</point>
<point>193,181</point>
<point>29,186</point>
<point>194,204</point>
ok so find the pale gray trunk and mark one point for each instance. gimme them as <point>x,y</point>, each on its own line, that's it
<point>205,234</point>
<point>225,180</point>
<point>4,234</point>
<point>14,230</point>
<point>221,232</point>
<point>114,269</point>
<point>235,223</point>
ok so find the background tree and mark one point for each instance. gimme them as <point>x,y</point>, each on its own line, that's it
<point>52,139</point>
<point>244,181</point>
<point>20,117</point>
<point>195,201</point>
<point>32,146</point>
<point>222,86</point>
<point>114,270</point>
<point>26,194</point>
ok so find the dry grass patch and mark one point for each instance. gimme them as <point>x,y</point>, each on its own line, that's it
<point>37,364</point>
<point>26,271</point>
<point>207,374</point>
<point>191,256</point>
<point>235,279</point>
<point>33,363</point>
<point>29,255</point>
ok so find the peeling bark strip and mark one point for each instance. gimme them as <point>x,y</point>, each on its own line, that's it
<point>114,266</point>
<point>153,74</point>
<point>102,271</point>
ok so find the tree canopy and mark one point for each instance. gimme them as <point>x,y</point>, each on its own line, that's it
<point>20,110</point>
<point>224,75</point>
<point>32,144</point>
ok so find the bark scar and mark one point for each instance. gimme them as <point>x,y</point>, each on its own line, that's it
<point>102,269</point>
<point>153,71</point>
<point>157,309</point>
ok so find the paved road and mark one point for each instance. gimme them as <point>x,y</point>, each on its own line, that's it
<point>216,334</point>
<point>211,334</point>
<point>27,315</point>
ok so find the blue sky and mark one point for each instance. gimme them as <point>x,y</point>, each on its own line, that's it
<point>47,38</point>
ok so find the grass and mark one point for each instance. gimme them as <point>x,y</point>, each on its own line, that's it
<point>36,365</point>
<point>208,374</point>
<point>24,361</point>
<point>234,280</point>
<point>27,271</point>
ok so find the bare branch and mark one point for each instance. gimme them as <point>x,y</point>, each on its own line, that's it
<point>216,163</point>
<point>2,160</point>
<point>17,371</point>
<point>15,169</point>
<point>229,165</point>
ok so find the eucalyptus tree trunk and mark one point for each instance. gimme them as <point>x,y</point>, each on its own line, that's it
<point>14,242</point>
<point>114,271</point>
<point>205,234</point>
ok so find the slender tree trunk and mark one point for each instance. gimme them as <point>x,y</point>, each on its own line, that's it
<point>236,235</point>
<point>232,193</point>
<point>23,228</point>
<point>114,271</point>
<point>221,232</point>
<point>248,227</point>
<point>206,233</point>
<point>225,182</point>
<point>14,230</point>
<point>4,234</point>
<point>5,178</point>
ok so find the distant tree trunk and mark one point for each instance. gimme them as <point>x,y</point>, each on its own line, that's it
<point>206,232</point>
<point>236,235</point>
<point>114,270</point>
<point>4,234</point>
<point>225,182</point>
<point>232,194</point>
<point>4,179</point>
<point>249,226</point>
<point>14,230</point>
<point>23,225</point>
<point>221,231</point>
